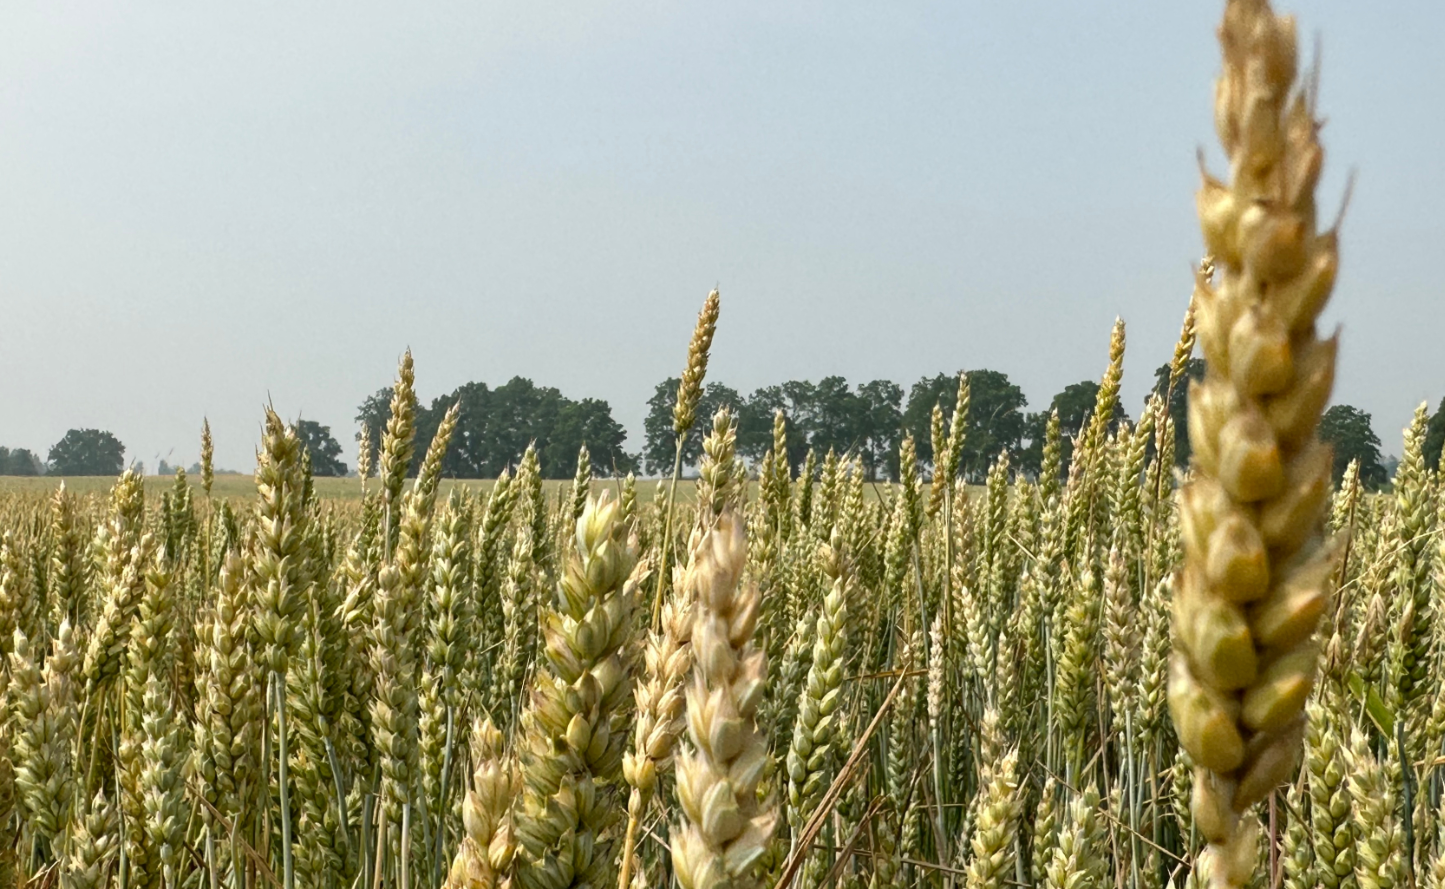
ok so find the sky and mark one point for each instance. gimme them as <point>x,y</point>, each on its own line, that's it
<point>206,207</point>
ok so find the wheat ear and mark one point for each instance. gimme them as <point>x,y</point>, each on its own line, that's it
<point>725,827</point>
<point>1255,567</point>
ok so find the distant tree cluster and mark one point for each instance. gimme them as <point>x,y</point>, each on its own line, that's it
<point>494,427</point>
<point>870,420</point>
<point>19,461</point>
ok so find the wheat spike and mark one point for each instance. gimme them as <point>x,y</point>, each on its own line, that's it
<point>725,828</point>
<point>484,858</point>
<point>398,438</point>
<point>995,825</point>
<point>573,732</point>
<point>1255,568</point>
<point>689,388</point>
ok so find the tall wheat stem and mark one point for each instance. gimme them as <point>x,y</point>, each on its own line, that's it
<point>667,533</point>
<point>287,859</point>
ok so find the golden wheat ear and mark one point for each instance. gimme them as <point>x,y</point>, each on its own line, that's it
<point>1255,567</point>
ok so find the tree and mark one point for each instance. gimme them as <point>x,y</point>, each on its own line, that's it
<point>1435,436</point>
<point>19,462</point>
<point>86,452</point>
<point>755,426</point>
<point>755,422</point>
<point>1075,405</point>
<point>588,422</point>
<point>1179,405</point>
<point>1031,455</point>
<point>373,414</point>
<point>660,442</point>
<point>995,421</point>
<point>659,448</point>
<point>880,418</point>
<point>831,414</point>
<point>1347,429</point>
<point>324,449</point>
<point>941,390</point>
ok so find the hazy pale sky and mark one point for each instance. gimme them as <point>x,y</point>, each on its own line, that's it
<point>203,206</point>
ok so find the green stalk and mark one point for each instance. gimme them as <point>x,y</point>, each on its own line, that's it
<point>340,794</point>
<point>120,811</point>
<point>423,866</point>
<point>442,803</point>
<point>366,858</point>
<point>1407,777</point>
<point>937,819</point>
<point>379,864</point>
<point>1136,878</point>
<point>405,845</point>
<point>238,878</point>
<point>287,864</point>
<point>215,878</point>
<point>948,556</point>
<point>667,533</point>
<point>94,740</point>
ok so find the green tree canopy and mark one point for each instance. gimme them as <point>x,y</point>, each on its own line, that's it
<point>995,421</point>
<point>1179,405</point>
<point>1435,436</point>
<point>829,412</point>
<point>939,390</point>
<point>86,452</point>
<point>494,427</point>
<point>1075,405</point>
<point>1347,429</point>
<point>755,426</point>
<point>880,407</point>
<point>659,447</point>
<point>826,415</point>
<point>588,422</point>
<point>372,414</point>
<point>19,461</point>
<point>996,418</point>
<point>324,449</point>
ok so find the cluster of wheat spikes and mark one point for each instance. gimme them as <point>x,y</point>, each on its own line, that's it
<point>793,678</point>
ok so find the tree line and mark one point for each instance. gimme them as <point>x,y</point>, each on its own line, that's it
<point>869,420</point>
<point>20,461</point>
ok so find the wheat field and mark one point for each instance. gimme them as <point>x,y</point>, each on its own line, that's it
<point>1110,675</point>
